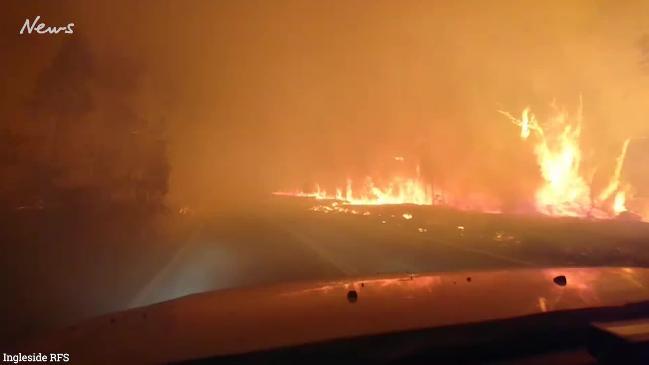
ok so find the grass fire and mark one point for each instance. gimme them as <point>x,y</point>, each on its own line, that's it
<point>566,188</point>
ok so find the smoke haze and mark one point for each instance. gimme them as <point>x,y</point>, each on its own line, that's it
<point>252,97</point>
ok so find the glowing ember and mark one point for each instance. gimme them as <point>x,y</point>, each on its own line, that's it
<point>407,216</point>
<point>338,208</point>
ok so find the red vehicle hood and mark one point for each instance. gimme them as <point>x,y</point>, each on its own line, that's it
<point>250,319</point>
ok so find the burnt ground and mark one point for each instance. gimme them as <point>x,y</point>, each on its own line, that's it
<point>58,267</point>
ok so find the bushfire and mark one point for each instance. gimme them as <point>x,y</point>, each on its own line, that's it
<point>400,190</point>
<point>565,190</point>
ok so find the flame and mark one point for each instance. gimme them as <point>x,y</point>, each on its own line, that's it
<point>619,202</point>
<point>619,205</point>
<point>564,191</point>
<point>398,190</point>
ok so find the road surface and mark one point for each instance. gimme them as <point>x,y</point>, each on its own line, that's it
<point>63,268</point>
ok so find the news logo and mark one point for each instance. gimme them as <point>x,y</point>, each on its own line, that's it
<point>39,27</point>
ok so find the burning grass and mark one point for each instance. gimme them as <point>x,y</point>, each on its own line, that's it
<point>565,189</point>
